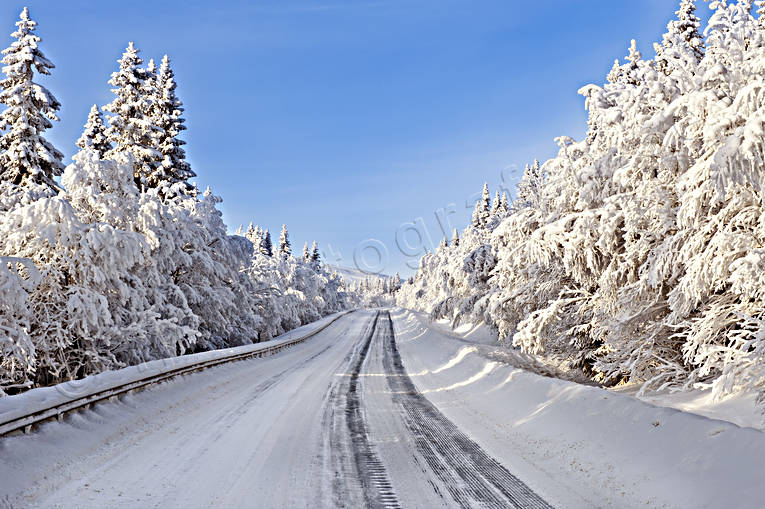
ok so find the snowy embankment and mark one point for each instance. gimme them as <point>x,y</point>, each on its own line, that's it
<point>579,445</point>
<point>12,407</point>
<point>739,408</point>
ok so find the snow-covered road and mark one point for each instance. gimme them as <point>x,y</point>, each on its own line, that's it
<point>333,422</point>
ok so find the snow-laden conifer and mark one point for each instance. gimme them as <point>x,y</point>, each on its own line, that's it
<point>268,247</point>
<point>682,45</point>
<point>285,248</point>
<point>167,114</point>
<point>315,255</point>
<point>131,128</point>
<point>482,209</point>
<point>94,136</point>
<point>496,203</point>
<point>25,155</point>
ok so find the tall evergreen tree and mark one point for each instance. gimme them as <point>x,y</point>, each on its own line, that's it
<point>285,248</point>
<point>150,83</point>
<point>25,155</point>
<point>529,187</point>
<point>627,73</point>
<point>482,210</point>
<point>315,255</point>
<point>476,217</point>
<point>455,238</point>
<point>396,282</point>
<point>306,253</point>
<point>268,246</point>
<point>166,114</point>
<point>485,204</point>
<point>495,204</point>
<point>259,239</point>
<point>256,237</point>
<point>249,234</point>
<point>131,129</point>
<point>94,135</point>
<point>682,37</point>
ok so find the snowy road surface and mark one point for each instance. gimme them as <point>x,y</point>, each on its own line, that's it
<point>333,422</point>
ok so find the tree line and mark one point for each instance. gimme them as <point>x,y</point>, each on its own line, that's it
<point>134,261</point>
<point>636,255</point>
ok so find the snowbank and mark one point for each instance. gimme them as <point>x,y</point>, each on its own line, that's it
<point>578,445</point>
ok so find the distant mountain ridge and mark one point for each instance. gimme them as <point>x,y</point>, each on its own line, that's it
<point>351,274</point>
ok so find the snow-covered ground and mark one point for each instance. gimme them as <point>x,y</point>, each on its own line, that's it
<point>246,434</point>
<point>582,446</point>
<point>331,422</point>
<point>739,408</point>
<point>356,416</point>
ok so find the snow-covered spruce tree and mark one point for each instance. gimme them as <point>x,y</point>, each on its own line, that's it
<point>166,114</point>
<point>306,253</point>
<point>293,292</point>
<point>25,155</point>
<point>255,235</point>
<point>250,233</point>
<point>94,136</point>
<point>396,282</point>
<point>482,211</point>
<point>268,248</point>
<point>477,214</point>
<point>285,248</point>
<point>682,45</point>
<point>528,188</point>
<point>315,255</point>
<point>496,203</point>
<point>483,208</point>
<point>131,128</point>
<point>504,205</point>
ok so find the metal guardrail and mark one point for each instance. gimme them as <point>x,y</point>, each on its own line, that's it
<point>58,411</point>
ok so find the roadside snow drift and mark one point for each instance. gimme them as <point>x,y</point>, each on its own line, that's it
<point>582,446</point>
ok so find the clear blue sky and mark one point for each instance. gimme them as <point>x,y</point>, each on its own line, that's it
<point>347,119</point>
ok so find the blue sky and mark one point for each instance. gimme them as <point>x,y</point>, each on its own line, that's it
<point>355,122</point>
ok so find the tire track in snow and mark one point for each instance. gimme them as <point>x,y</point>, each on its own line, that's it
<point>350,439</point>
<point>472,477</point>
<point>378,490</point>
